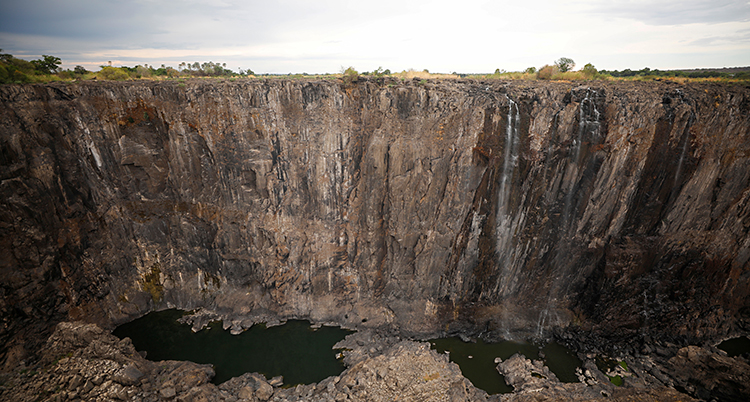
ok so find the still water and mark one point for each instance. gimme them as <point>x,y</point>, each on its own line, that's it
<point>477,360</point>
<point>736,347</point>
<point>302,354</point>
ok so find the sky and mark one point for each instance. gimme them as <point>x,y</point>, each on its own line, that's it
<point>325,36</point>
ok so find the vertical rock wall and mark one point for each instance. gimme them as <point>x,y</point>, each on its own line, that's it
<point>511,207</point>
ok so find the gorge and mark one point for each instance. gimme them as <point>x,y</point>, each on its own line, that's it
<point>609,215</point>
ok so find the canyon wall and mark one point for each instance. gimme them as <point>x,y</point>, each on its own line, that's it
<point>426,207</point>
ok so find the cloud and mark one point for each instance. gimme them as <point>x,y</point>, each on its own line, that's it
<point>321,36</point>
<point>106,19</point>
<point>673,12</point>
<point>740,38</point>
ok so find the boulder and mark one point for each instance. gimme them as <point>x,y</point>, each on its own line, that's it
<point>264,391</point>
<point>128,375</point>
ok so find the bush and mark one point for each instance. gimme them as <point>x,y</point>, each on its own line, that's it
<point>547,72</point>
<point>112,73</point>
<point>66,75</point>
<point>379,72</point>
<point>15,70</point>
<point>589,71</point>
<point>142,71</point>
<point>350,75</point>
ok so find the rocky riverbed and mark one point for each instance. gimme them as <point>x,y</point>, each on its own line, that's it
<point>83,362</point>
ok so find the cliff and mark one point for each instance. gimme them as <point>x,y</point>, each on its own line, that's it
<point>424,207</point>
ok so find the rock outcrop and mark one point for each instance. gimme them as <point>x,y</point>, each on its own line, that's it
<point>423,207</point>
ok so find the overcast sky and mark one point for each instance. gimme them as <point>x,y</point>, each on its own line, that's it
<point>324,35</point>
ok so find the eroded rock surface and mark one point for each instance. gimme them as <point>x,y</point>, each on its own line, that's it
<point>424,208</point>
<point>83,362</point>
<point>533,381</point>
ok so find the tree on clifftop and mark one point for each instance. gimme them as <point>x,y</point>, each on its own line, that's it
<point>565,64</point>
<point>47,65</point>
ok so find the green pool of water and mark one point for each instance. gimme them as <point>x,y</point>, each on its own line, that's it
<point>302,354</point>
<point>561,361</point>
<point>477,360</point>
<point>736,347</point>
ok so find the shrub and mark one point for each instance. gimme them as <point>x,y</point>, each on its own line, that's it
<point>15,70</point>
<point>350,75</point>
<point>547,72</point>
<point>113,73</point>
<point>589,71</point>
<point>142,72</point>
<point>379,72</point>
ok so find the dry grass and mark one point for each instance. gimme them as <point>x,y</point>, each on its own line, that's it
<point>407,75</point>
<point>571,76</point>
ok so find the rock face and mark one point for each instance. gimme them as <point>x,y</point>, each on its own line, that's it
<point>458,206</point>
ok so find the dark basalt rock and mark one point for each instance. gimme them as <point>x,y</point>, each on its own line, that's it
<point>496,208</point>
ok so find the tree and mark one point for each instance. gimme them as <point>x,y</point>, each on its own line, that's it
<point>5,57</point>
<point>47,65</point>
<point>379,72</point>
<point>530,70</point>
<point>565,64</point>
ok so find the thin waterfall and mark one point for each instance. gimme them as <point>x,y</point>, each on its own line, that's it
<point>588,126</point>
<point>504,229</point>
<point>588,122</point>
<point>510,154</point>
<point>677,174</point>
<point>505,222</point>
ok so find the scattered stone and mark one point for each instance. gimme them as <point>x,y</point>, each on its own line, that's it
<point>246,393</point>
<point>277,381</point>
<point>167,392</point>
<point>75,382</point>
<point>264,391</point>
<point>128,375</point>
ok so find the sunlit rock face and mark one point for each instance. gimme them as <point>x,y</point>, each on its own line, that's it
<point>425,207</point>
